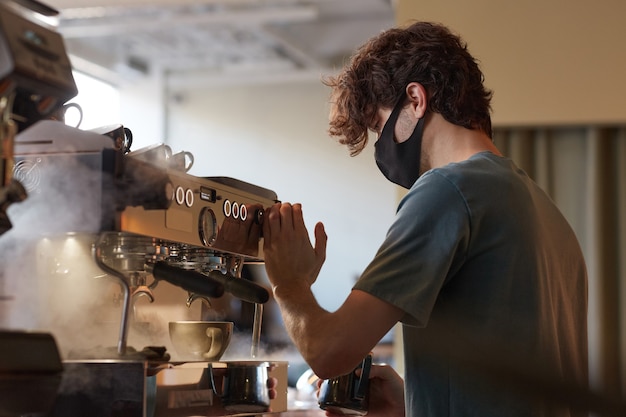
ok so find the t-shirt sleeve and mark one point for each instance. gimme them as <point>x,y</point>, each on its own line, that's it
<point>426,242</point>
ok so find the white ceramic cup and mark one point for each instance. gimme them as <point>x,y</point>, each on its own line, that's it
<point>200,340</point>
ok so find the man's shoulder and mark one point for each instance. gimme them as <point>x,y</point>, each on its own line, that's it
<point>475,172</point>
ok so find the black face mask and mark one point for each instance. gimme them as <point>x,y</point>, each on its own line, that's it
<point>399,162</point>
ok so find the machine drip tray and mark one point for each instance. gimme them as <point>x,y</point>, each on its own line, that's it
<point>30,372</point>
<point>103,388</point>
<point>120,388</point>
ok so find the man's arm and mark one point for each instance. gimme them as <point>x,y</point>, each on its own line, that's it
<point>332,343</point>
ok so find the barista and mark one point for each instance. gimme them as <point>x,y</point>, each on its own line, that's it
<point>479,265</point>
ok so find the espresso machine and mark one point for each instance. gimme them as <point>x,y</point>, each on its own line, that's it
<point>105,228</point>
<point>131,218</point>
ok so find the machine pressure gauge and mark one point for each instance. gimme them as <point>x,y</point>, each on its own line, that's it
<point>207,226</point>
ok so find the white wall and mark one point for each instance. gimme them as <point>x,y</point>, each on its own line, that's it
<point>142,109</point>
<point>275,136</point>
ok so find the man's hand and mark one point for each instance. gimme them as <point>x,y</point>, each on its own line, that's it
<point>386,393</point>
<point>289,255</point>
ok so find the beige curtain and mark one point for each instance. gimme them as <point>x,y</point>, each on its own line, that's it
<point>584,170</point>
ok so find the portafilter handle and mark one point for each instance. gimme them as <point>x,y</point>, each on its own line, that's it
<point>189,280</point>
<point>241,288</point>
<point>212,284</point>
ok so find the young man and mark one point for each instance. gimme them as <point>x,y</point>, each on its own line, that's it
<point>479,266</point>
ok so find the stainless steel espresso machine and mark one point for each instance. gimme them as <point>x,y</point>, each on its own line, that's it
<point>144,226</point>
<point>107,228</point>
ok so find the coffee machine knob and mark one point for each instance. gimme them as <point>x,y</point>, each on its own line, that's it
<point>160,199</point>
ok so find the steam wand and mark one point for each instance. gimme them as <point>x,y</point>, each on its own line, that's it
<point>235,267</point>
<point>123,337</point>
<point>256,329</point>
<point>136,288</point>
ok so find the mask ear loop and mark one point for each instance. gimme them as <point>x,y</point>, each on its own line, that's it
<point>390,124</point>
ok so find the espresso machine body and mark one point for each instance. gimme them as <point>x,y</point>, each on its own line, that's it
<point>144,223</point>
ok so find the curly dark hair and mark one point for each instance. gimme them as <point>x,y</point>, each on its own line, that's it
<point>379,71</point>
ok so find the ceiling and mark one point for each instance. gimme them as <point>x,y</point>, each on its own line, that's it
<point>218,40</point>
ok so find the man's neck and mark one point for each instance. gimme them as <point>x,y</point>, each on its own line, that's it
<point>446,143</point>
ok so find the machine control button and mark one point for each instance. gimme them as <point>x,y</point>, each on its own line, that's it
<point>189,197</point>
<point>169,192</point>
<point>180,195</point>
<point>236,210</point>
<point>258,216</point>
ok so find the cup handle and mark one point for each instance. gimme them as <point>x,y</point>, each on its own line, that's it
<point>79,109</point>
<point>216,341</point>
<point>362,382</point>
<point>128,140</point>
<point>188,156</point>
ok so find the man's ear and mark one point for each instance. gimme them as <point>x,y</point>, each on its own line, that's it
<point>418,98</point>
